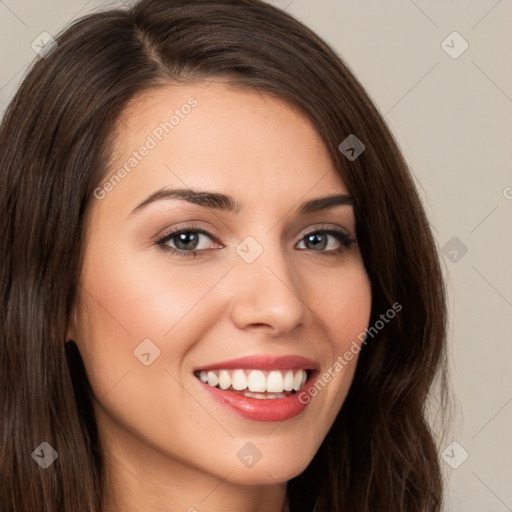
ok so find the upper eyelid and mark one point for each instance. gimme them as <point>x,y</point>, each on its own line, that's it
<point>172,233</point>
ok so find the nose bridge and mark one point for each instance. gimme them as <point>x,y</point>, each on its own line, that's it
<point>268,291</point>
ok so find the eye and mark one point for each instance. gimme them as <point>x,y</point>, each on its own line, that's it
<point>186,241</point>
<point>326,240</point>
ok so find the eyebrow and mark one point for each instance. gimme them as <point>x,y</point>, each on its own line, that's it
<point>224,202</point>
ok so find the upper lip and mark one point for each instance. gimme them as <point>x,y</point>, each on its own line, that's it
<point>264,362</point>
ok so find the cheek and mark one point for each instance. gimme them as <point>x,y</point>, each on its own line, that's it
<point>137,300</point>
<point>343,306</point>
<point>127,302</point>
<point>342,302</point>
<point>131,310</point>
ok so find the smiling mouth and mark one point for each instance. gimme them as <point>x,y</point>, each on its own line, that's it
<point>261,384</point>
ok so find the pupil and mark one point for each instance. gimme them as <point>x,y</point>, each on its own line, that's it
<point>316,241</point>
<point>186,238</point>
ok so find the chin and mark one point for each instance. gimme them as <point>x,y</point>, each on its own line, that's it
<point>270,471</point>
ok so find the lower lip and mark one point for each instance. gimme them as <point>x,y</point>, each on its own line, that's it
<point>271,409</point>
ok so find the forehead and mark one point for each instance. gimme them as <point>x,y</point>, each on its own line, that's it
<point>217,136</point>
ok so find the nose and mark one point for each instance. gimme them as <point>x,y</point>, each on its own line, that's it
<point>267,293</point>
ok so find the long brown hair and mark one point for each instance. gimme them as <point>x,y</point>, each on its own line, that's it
<point>381,453</point>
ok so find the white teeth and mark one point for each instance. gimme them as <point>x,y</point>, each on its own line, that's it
<point>256,381</point>
<point>297,381</point>
<point>275,382</point>
<point>271,383</point>
<point>213,380</point>
<point>239,380</point>
<point>288,381</point>
<point>224,380</point>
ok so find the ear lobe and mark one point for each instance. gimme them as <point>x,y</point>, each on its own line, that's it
<point>71,331</point>
<point>70,336</point>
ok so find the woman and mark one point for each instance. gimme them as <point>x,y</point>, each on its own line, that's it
<point>219,287</point>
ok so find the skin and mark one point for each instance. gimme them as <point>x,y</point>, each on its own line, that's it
<point>168,445</point>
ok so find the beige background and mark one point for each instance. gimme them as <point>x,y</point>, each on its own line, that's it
<point>452,119</point>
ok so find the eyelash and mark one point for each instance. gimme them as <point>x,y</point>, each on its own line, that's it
<point>345,240</point>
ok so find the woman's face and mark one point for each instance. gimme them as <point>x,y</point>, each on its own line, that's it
<point>268,273</point>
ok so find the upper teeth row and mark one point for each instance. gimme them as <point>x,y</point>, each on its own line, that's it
<point>275,381</point>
